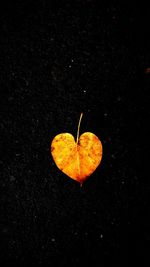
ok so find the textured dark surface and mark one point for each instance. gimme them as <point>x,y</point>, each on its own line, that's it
<point>58,59</point>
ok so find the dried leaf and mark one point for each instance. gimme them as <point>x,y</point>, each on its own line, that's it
<point>77,159</point>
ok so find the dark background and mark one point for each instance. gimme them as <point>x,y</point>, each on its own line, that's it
<point>58,59</point>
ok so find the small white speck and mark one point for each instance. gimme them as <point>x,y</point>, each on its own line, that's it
<point>119,98</point>
<point>53,239</point>
<point>5,230</point>
<point>101,236</point>
<point>84,91</point>
<point>17,154</point>
<point>72,60</point>
<point>70,66</point>
<point>26,82</point>
<point>10,98</point>
<point>12,178</point>
<point>105,114</point>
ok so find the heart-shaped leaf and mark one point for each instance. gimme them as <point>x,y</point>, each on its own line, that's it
<point>77,159</point>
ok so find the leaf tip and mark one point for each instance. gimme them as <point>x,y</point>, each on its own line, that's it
<point>81,185</point>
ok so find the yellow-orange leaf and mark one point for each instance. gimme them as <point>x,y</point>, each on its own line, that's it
<point>77,159</point>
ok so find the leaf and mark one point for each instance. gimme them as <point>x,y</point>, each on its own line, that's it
<point>77,159</point>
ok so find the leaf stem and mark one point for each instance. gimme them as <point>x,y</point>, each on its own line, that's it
<point>79,127</point>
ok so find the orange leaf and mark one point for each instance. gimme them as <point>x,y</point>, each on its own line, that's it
<point>77,159</point>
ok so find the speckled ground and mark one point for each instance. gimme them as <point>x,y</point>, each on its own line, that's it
<point>58,59</point>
